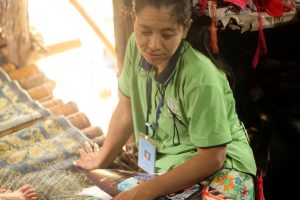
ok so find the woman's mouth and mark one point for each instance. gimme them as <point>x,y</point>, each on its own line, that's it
<point>154,55</point>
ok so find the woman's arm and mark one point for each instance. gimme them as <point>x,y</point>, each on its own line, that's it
<point>120,129</point>
<point>201,166</point>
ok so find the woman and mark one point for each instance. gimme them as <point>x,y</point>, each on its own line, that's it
<point>26,192</point>
<point>177,101</point>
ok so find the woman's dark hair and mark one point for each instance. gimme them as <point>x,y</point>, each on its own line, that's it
<point>200,38</point>
<point>181,9</point>
<point>199,33</point>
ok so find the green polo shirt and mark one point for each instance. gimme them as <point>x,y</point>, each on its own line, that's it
<point>198,102</point>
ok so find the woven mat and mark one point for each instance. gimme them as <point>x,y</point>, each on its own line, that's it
<point>16,106</point>
<point>42,155</point>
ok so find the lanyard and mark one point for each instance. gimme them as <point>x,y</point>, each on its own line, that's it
<point>154,125</point>
<point>167,72</point>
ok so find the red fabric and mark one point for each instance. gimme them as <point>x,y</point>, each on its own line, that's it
<point>241,3</point>
<point>203,4</point>
<point>258,183</point>
<point>261,45</point>
<point>211,194</point>
<point>213,28</point>
<point>214,37</point>
<point>274,8</point>
<point>289,5</point>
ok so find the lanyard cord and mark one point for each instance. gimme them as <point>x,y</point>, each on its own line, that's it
<point>175,129</point>
<point>161,101</point>
<point>149,91</point>
<point>175,132</point>
<point>154,126</point>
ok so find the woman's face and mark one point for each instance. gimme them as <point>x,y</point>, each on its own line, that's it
<point>158,35</point>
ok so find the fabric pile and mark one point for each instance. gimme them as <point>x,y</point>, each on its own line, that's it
<point>244,15</point>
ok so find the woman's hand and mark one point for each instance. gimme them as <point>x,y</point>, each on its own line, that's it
<point>89,157</point>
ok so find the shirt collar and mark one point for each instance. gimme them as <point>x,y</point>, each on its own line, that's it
<point>166,74</point>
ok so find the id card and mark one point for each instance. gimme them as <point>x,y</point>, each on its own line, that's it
<point>147,154</point>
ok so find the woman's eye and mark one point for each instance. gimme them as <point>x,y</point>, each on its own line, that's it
<point>145,33</point>
<point>167,36</point>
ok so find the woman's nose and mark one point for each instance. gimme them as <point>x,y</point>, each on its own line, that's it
<point>154,42</point>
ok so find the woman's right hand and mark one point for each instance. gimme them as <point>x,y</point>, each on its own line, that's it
<point>89,157</point>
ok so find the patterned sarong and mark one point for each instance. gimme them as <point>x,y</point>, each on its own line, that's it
<point>229,184</point>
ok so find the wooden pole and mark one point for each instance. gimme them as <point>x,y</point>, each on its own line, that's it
<point>94,26</point>
<point>14,21</point>
<point>123,27</point>
<point>123,24</point>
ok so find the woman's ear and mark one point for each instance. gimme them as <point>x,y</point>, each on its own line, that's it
<point>187,28</point>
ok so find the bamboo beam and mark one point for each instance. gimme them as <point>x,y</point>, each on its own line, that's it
<point>56,48</point>
<point>63,46</point>
<point>94,26</point>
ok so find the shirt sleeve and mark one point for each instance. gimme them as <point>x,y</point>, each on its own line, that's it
<point>206,111</point>
<point>124,83</point>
